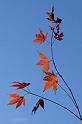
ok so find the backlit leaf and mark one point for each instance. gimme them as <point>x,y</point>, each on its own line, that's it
<point>20,101</point>
<point>44,62</point>
<point>17,99</point>
<point>51,81</point>
<point>41,37</point>
<point>14,95</point>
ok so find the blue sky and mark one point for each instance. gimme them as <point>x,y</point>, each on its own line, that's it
<point>19,22</point>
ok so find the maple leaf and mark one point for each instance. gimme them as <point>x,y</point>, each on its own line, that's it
<point>58,36</point>
<point>51,15</point>
<point>51,81</point>
<point>58,20</point>
<point>19,85</point>
<point>39,103</point>
<point>41,37</point>
<point>17,99</point>
<point>44,62</point>
<point>14,95</point>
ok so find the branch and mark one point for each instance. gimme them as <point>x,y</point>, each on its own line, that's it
<point>66,93</point>
<point>52,102</point>
<point>75,103</point>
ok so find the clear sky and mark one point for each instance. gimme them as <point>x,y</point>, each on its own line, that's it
<point>19,22</point>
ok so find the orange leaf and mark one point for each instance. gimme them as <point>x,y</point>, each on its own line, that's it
<point>41,37</point>
<point>23,101</point>
<point>13,101</point>
<point>51,81</point>
<point>42,56</point>
<point>44,62</point>
<point>14,95</point>
<point>18,100</point>
<point>48,85</point>
<point>55,87</point>
<point>41,62</point>
<point>46,67</point>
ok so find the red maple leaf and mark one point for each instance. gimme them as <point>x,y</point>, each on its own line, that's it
<point>51,81</point>
<point>41,37</point>
<point>17,99</point>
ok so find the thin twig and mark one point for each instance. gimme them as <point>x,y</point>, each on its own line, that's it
<point>75,103</point>
<point>52,102</point>
<point>66,93</point>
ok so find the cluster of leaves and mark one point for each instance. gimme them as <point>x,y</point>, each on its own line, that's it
<point>51,79</point>
<point>17,99</point>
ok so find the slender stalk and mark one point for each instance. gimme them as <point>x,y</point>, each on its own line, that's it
<point>52,102</point>
<point>66,93</point>
<point>75,103</point>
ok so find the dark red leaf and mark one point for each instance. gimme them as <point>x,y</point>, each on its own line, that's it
<point>41,103</point>
<point>19,85</point>
<point>58,20</point>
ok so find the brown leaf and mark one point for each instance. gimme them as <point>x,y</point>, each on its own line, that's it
<point>35,107</point>
<point>19,85</point>
<point>41,103</point>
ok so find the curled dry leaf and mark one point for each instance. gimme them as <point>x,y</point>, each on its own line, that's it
<point>51,81</point>
<point>19,85</point>
<point>44,62</point>
<point>39,103</point>
<point>17,99</point>
<point>41,37</point>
